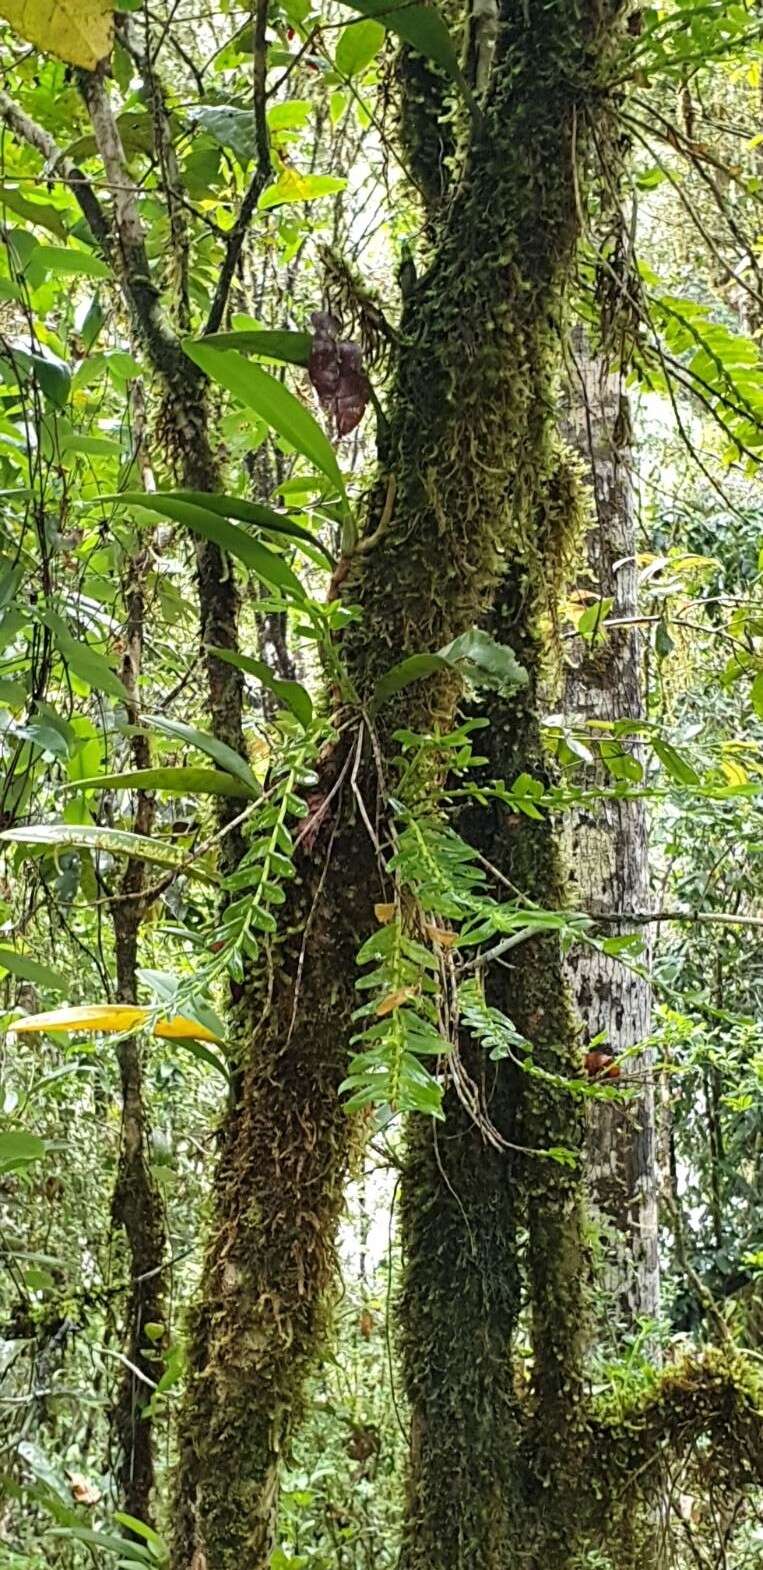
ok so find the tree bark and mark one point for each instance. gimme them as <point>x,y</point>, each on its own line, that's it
<point>609,852</point>
<point>469,445</point>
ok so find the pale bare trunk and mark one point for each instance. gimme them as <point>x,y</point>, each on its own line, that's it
<point>609,853</point>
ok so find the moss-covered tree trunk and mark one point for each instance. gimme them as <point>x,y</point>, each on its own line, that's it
<point>469,437</point>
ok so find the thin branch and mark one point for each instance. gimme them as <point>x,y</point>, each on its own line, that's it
<point>260,179</point>
<point>644,918</point>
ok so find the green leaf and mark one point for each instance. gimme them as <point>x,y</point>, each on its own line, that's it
<point>293,186</point>
<point>91,446</point>
<point>178,782</point>
<point>590,625</point>
<point>108,1542</point>
<point>405,672</point>
<point>53,377</point>
<point>18,1149</point>
<point>87,663</point>
<point>260,560</point>
<point>139,1528</point>
<point>31,970</point>
<point>117,842</point>
<point>272,402</point>
<point>225,756</point>
<point>358,45</point>
<point>485,662</point>
<point>261,517</point>
<point>291,348</point>
<point>674,764</point>
<point>229,126</point>
<point>64,260</point>
<point>422,27</point>
<point>756,695</point>
<point>42,213</point>
<point>475,655</point>
<point>291,693</point>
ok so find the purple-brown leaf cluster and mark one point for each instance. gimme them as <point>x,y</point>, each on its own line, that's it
<point>336,371</point>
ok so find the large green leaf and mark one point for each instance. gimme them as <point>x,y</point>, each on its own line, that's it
<point>28,969</point>
<point>117,842</point>
<point>421,26</point>
<point>674,764</point>
<point>225,756</point>
<point>85,662</point>
<point>260,560</point>
<point>292,348</point>
<point>42,213</point>
<point>64,260</point>
<point>358,45</point>
<point>177,782</point>
<point>264,518</point>
<point>18,1149</point>
<point>291,693</point>
<point>271,401</point>
<point>474,655</point>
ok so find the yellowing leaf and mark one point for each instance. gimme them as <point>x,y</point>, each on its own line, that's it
<point>81,32</point>
<point>734,772</point>
<point>384,913</point>
<point>394,999</point>
<point>441,935</point>
<point>113,1017</point>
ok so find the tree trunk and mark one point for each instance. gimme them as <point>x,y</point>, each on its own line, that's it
<point>469,444</point>
<point>609,853</point>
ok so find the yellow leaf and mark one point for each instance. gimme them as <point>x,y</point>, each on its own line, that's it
<point>384,913</point>
<point>394,999</point>
<point>441,935</point>
<point>734,772</point>
<point>113,1017</point>
<point>81,32</point>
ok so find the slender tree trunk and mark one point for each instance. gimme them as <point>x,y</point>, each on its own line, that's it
<point>609,851</point>
<point>136,1204</point>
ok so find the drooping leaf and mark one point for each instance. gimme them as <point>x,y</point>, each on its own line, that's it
<point>229,126</point>
<point>177,782</point>
<point>114,1018</point>
<point>81,32</point>
<point>291,693</point>
<point>272,402</point>
<point>263,562</point>
<point>291,348</point>
<point>28,969</point>
<point>116,842</point>
<point>85,662</point>
<point>223,755</point>
<point>421,26</point>
<point>261,517</point>
<point>674,764</point>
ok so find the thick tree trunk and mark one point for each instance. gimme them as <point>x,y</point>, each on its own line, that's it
<point>470,442</point>
<point>609,853</point>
